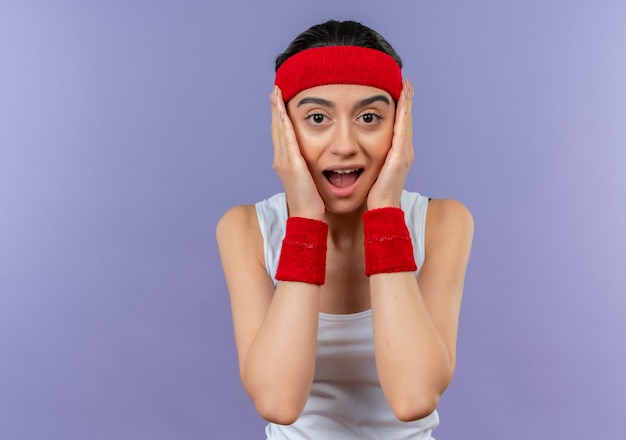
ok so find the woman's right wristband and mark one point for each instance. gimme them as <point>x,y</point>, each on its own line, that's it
<point>303,252</point>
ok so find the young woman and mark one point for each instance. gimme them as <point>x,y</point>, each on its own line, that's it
<point>346,288</point>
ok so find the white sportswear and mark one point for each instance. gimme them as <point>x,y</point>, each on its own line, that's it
<point>346,400</point>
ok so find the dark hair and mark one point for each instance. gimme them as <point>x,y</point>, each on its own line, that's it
<point>338,33</point>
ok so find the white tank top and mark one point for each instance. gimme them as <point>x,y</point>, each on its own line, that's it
<point>346,401</point>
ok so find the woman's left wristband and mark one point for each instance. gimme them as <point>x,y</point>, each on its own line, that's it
<point>387,241</point>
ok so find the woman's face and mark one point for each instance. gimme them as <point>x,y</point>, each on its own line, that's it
<point>344,133</point>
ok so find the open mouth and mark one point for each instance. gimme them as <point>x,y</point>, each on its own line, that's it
<point>343,178</point>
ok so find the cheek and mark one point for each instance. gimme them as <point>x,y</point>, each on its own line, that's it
<point>380,143</point>
<point>311,144</point>
<point>310,147</point>
<point>301,138</point>
<point>305,144</point>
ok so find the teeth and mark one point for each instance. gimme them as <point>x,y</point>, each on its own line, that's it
<point>345,171</point>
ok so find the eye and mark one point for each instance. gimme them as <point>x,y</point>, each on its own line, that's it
<point>316,118</point>
<point>370,118</point>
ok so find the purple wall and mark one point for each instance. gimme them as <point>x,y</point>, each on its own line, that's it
<point>128,128</point>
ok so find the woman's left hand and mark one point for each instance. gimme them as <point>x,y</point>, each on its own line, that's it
<point>388,187</point>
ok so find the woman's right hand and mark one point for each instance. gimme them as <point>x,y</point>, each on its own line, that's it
<point>303,198</point>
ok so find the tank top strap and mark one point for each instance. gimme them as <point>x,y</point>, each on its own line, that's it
<point>415,207</point>
<point>272,217</point>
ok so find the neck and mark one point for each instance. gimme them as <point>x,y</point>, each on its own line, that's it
<point>345,230</point>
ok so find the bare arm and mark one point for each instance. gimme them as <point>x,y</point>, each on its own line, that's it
<point>275,331</point>
<point>415,321</point>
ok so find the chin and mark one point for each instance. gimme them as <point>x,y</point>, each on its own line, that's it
<point>345,206</point>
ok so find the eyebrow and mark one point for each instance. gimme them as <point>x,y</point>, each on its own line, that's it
<point>319,101</point>
<point>326,103</point>
<point>371,100</point>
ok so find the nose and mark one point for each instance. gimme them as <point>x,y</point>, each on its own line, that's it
<point>344,143</point>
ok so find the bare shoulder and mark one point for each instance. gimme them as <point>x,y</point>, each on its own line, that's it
<point>236,219</point>
<point>238,230</point>
<point>449,210</point>
<point>448,221</point>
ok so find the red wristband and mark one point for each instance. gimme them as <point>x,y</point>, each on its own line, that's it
<point>388,245</point>
<point>303,254</point>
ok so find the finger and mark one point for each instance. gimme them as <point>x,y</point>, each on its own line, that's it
<point>403,124</point>
<point>399,127</point>
<point>408,92</point>
<point>406,101</point>
<point>288,133</point>
<point>280,132</point>
<point>409,110</point>
<point>276,128</point>
<point>280,123</point>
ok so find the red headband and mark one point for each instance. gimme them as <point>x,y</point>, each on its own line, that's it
<point>339,65</point>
